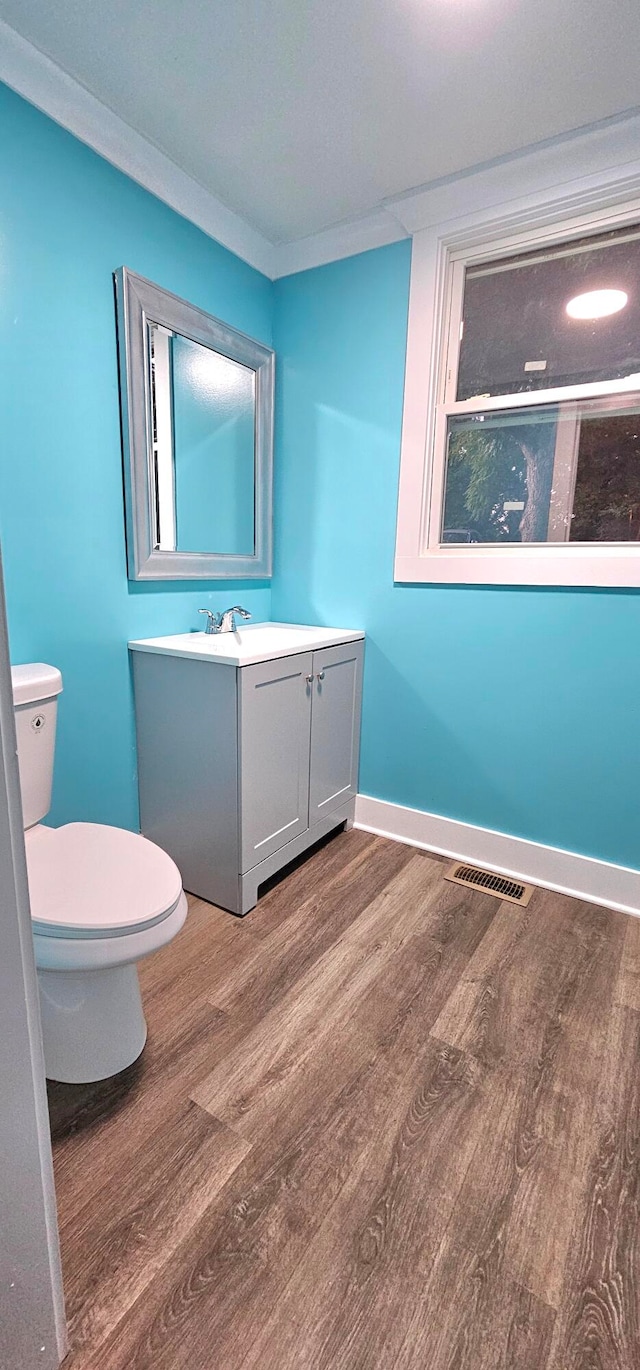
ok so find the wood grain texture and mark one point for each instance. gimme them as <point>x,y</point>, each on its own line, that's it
<point>331,896</point>
<point>148,1210</point>
<point>600,1317</point>
<point>382,1123</point>
<point>628,992</point>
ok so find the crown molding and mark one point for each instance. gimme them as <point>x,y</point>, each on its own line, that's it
<point>606,146</point>
<point>342,240</point>
<point>600,152</point>
<point>51,89</point>
<point>44,84</point>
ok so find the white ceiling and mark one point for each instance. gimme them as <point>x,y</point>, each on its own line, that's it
<point>299,114</point>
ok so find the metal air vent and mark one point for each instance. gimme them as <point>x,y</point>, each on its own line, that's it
<point>500,885</point>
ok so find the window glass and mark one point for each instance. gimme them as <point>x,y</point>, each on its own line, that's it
<point>517,334</point>
<point>545,474</point>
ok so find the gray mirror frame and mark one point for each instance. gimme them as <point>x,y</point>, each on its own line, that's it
<point>136,301</point>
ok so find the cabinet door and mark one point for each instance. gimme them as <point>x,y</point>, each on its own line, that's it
<point>275,728</point>
<point>335,727</point>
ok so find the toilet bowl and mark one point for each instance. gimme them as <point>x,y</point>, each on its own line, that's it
<point>101,899</point>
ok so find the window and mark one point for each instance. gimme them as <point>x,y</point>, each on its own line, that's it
<point>560,324</point>
<point>521,430</point>
<point>567,472</point>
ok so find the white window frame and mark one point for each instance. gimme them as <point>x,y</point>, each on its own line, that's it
<point>440,252</point>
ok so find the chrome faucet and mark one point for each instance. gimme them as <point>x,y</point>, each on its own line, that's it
<point>225,622</point>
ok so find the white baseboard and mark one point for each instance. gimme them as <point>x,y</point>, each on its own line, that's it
<point>582,877</point>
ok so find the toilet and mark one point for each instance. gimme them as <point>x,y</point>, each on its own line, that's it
<point>101,899</point>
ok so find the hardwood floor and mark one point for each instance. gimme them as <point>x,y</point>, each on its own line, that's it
<point>382,1123</point>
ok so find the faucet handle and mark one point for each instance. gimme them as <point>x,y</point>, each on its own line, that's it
<point>213,620</point>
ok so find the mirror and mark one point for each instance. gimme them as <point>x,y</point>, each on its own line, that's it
<point>203,405</point>
<point>197,423</point>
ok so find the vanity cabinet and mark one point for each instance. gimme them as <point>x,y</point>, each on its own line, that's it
<point>241,768</point>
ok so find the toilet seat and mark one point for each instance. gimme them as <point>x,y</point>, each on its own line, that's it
<point>89,880</point>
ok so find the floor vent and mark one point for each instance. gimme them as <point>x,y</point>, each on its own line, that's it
<point>500,885</point>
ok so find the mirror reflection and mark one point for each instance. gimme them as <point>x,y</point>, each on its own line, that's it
<point>203,446</point>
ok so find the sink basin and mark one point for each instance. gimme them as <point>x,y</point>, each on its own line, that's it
<point>249,644</point>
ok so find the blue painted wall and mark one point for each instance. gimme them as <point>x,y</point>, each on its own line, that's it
<point>67,220</point>
<point>513,709</point>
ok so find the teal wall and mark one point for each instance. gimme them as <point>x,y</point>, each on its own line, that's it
<point>513,709</point>
<point>67,220</point>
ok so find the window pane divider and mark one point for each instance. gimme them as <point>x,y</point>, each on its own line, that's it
<point>526,399</point>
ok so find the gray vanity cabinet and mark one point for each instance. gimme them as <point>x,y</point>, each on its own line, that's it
<point>275,743</point>
<point>242,768</point>
<point>335,730</point>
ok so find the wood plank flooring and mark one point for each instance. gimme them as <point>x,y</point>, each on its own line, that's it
<point>382,1123</point>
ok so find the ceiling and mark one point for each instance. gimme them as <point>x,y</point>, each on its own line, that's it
<point>299,114</point>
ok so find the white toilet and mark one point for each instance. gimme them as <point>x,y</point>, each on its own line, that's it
<point>101,899</point>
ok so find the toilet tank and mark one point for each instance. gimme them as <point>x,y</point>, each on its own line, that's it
<point>35,700</point>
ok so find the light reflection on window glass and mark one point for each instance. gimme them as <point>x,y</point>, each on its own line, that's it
<point>517,334</point>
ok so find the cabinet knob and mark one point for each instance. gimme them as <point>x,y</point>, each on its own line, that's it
<point>309,679</point>
<point>320,675</point>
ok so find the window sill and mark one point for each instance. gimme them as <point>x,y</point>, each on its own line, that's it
<point>602,566</point>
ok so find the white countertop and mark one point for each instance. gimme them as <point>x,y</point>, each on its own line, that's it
<point>249,644</point>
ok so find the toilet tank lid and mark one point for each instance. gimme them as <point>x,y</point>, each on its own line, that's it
<point>34,682</point>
